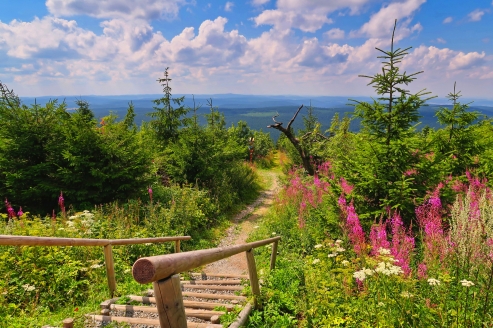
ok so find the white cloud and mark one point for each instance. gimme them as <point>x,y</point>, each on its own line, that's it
<point>128,9</point>
<point>285,20</point>
<point>476,15</point>
<point>228,6</point>
<point>467,61</point>
<point>381,23</point>
<point>448,20</point>
<point>335,33</point>
<point>259,2</point>
<point>440,40</point>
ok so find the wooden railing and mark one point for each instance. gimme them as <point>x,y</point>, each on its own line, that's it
<point>12,240</point>
<point>163,271</point>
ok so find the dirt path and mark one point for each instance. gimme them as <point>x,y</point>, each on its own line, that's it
<point>242,225</point>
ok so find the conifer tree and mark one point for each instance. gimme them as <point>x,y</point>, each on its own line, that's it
<point>167,119</point>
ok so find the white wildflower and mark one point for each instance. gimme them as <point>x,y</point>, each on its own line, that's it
<point>368,272</point>
<point>433,282</point>
<point>338,241</point>
<point>315,261</point>
<point>332,255</point>
<point>72,217</point>
<point>466,283</point>
<point>406,294</point>
<point>28,288</point>
<point>96,266</point>
<point>345,263</point>
<point>70,224</point>
<point>340,249</point>
<point>318,246</point>
<point>360,275</point>
<point>383,251</point>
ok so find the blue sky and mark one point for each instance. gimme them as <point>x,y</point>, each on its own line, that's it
<point>299,47</point>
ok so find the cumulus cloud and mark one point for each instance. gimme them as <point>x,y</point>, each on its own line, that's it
<point>285,20</point>
<point>448,20</point>
<point>335,33</point>
<point>380,25</point>
<point>440,40</point>
<point>128,9</point>
<point>476,15</point>
<point>229,6</point>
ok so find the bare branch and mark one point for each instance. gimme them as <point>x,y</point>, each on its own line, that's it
<point>294,117</point>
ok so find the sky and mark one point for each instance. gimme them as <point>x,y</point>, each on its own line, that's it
<point>262,47</point>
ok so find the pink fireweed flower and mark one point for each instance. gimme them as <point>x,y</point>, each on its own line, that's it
<point>378,238</point>
<point>9,208</point>
<point>61,203</point>
<point>402,244</point>
<point>422,271</point>
<point>356,234</point>
<point>20,213</point>
<point>150,193</point>
<point>346,187</point>
<point>410,172</point>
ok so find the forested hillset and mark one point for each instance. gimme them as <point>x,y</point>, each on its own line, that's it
<point>216,209</point>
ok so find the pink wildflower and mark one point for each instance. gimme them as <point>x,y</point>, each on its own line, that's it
<point>402,244</point>
<point>10,210</point>
<point>346,187</point>
<point>150,193</point>
<point>20,213</point>
<point>356,234</point>
<point>422,271</point>
<point>378,238</point>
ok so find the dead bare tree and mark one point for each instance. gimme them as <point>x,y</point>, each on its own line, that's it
<point>288,132</point>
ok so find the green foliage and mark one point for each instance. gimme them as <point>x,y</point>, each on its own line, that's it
<point>55,151</point>
<point>167,119</point>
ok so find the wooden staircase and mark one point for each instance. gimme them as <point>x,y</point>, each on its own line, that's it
<point>205,298</point>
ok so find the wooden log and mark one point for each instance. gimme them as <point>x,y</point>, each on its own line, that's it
<point>187,304</point>
<point>211,282</point>
<point>215,319</point>
<point>149,269</point>
<point>177,246</point>
<point>12,240</point>
<point>106,304</point>
<point>145,321</point>
<point>215,296</point>
<point>252,271</point>
<point>169,302</point>
<point>242,317</point>
<point>219,275</point>
<point>110,269</point>
<point>68,323</point>
<point>212,287</point>
<point>201,314</point>
<point>273,256</point>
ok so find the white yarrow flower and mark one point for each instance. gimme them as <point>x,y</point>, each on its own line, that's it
<point>340,249</point>
<point>345,263</point>
<point>28,288</point>
<point>360,275</point>
<point>315,261</point>
<point>96,266</point>
<point>318,246</point>
<point>383,251</point>
<point>433,282</point>
<point>466,283</point>
<point>332,255</point>
<point>338,241</point>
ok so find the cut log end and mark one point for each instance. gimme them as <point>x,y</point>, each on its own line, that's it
<point>143,271</point>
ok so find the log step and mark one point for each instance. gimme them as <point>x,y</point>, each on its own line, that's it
<point>221,275</point>
<point>212,282</point>
<point>146,321</point>
<point>201,314</point>
<point>215,296</point>
<point>189,304</point>
<point>212,287</point>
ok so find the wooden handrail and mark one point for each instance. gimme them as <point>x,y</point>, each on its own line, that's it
<point>153,268</point>
<point>163,271</point>
<point>12,240</point>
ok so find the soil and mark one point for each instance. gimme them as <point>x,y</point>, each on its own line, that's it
<point>241,227</point>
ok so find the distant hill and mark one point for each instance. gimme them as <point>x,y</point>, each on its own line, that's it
<point>257,111</point>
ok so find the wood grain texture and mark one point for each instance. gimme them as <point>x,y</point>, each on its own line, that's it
<point>252,272</point>
<point>169,302</point>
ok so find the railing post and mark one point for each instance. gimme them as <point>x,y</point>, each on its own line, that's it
<point>169,302</point>
<point>273,256</point>
<point>177,246</point>
<point>110,269</point>
<point>252,272</point>
<point>68,323</point>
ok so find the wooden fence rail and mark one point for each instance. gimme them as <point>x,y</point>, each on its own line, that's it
<point>163,271</point>
<point>12,240</point>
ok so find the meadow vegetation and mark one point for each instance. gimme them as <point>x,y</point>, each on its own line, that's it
<point>388,227</point>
